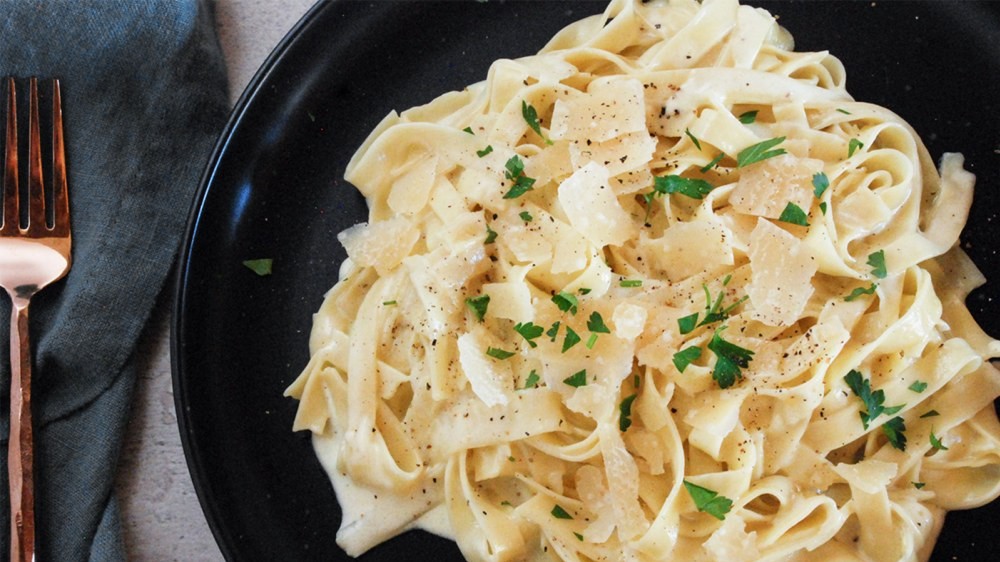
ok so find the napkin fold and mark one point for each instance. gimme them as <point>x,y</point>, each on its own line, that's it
<point>144,99</point>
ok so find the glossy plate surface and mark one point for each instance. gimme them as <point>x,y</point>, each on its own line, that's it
<point>274,189</point>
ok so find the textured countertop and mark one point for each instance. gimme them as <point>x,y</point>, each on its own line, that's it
<point>161,515</point>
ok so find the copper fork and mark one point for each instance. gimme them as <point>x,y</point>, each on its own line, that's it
<point>34,252</point>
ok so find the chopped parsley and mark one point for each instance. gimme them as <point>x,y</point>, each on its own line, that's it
<point>567,302</point>
<point>877,262</point>
<point>469,130</point>
<point>822,207</point>
<point>553,331</point>
<point>869,290</point>
<point>748,117</point>
<point>571,339</point>
<point>388,303</point>
<point>625,412</point>
<point>894,429</point>
<point>577,379</point>
<point>529,331</point>
<point>844,111</point>
<point>530,115</point>
<point>853,147</point>
<point>936,443</point>
<point>525,216</point>
<point>591,341</point>
<point>578,536</point>
<point>584,291</point>
<point>596,323</point>
<point>715,162</point>
<point>729,359</point>
<point>793,214</point>
<point>491,235</point>
<point>919,485</point>
<point>918,386</point>
<point>515,173</point>
<point>709,501</point>
<point>478,305</point>
<point>498,353</point>
<point>688,323</point>
<point>693,138</point>
<point>262,267</point>
<point>820,184</point>
<point>686,356</point>
<point>760,151</point>
<point>559,513</point>
<point>873,401</point>
<point>485,151</point>
<point>693,188</point>
<point>930,414</point>
<point>628,283</point>
<point>532,380</point>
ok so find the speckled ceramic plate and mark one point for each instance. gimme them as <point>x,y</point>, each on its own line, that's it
<point>274,189</point>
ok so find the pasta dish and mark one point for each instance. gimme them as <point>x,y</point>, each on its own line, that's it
<point>663,291</point>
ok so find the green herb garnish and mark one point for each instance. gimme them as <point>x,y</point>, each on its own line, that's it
<point>262,267</point>
<point>688,323</point>
<point>715,162</point>
<point>820,184</point>
<point>936,443</point>
<point>693,188</point>
<point>873,401</point>
<point>478,305</point>
<point>596,323</point>
<point>525,216</point>
<point>709,501</point>
<point>869,290</point>
<point>559,513</point>
<point>531,117</point>
<point>793,214</point>
<point>625,412</point>
<point>693,138</point>
<point>497,353</point>
<point>567,302</point>
<point>529,331</point>
<point>853,145</point>
<point>469,130</point>
<point>760,151</point>
<point>748,117</point>
<point>388,303</point>
<point>515,173</point>
<point>930,414</point>
<point>491,235</point>
<point>918,386</point>
<point>532,380</point>
<point>686,356</point>
<point>729,359</point>
<point>553,331</point>
<point>894,430</point>
<point>918,485</point>
<point>627,283</point>
<point>577,379</point>
<point>571,339</point>
<point>485,151</point>
<point>877,262</point>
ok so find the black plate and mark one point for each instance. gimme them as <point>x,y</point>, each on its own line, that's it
<point>274,189</point>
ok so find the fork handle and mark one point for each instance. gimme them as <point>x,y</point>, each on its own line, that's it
<point>21,450</point>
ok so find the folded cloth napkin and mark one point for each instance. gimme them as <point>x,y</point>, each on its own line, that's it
<point>144,98</point>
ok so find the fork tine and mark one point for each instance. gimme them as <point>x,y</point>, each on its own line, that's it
<point>36,185</point>
<point>10,191</point>
<point>60,194</point>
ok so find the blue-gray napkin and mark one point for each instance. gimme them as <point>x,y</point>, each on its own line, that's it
<point>144,98</point>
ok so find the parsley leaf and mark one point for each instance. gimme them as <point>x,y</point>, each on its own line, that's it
<point>388,303</point>
<point>578,536</point>
<point>559,513</point>
<point>553,331</point>
<point>709,501</point>
<point>525,216</point>
<point>693,188</point>
<point>591,341</point>
<point>936,443</point>
<point>530,115</point>
<point>567,302</point>
<point>497,353</point>
<point>688,323</point>
<point>713,310</point>
<point>918,386</point>
<point>893,429</point>
<point>748,117</point>
<point>491,235</point>
<point>469,130</point>
<point>515,173</point>
<point>919,485</point>
<point>930,414</point>
<point>630,283</point>
<point>625,412</point>
<point>869,290</point>
<point>822,207</point>
<point>844,111</point>
<point>715,162</point>
<point>853,147</point>
<point>478,305</point>
<point>877,262</point>
<point>729,359</point>
<point>760,151</point>
<point>820,184</point>
<point>793,214</point>
<point>572,338</point>
<point>686,356</point>
<point>532,380</point>
<point>596,323</point>
<point>485,151</point>
<point>874,401</point>
<point>577,379</point>
<point>261,267</point>
<point>693,138</point>
<point>529,332</point>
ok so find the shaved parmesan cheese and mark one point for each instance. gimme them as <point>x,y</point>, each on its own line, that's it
<point>491,379</point>
<point>610,108</point>
<point>691,248</point>
<point>593,209</point>
<point>781,280</point>
<point>380,244</point>
<point>766,188</point>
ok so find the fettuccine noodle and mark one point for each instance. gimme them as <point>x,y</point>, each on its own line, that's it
<point>663,291</point>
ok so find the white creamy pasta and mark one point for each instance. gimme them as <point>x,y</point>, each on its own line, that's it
<point>663,291</point>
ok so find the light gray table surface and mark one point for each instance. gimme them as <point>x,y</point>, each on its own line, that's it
<point>162,518</point>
